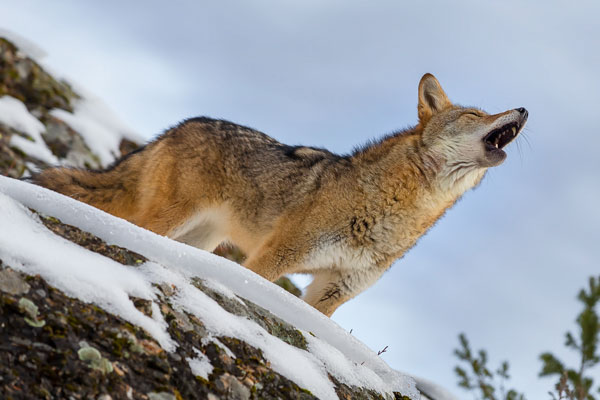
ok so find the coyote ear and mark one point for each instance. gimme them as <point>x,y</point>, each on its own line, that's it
<point>432,98</point>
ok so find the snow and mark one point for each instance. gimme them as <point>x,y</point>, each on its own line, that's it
<point>211,339</point>
<point>96,279</point>
<point>78,272</point>
<point>100,128</point>
<point>223,347</point>
<point>200,365</point>
<point>224,290</point>
<point>14,114</point>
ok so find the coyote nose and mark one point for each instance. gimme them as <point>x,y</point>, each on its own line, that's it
<point>522,110</point>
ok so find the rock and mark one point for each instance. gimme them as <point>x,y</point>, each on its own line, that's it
<point>127,146</point>
<point>288,285</point>
<point>12,161</point>
<point>67,144</point>
<point>11,282</point>
<point>232,388</point>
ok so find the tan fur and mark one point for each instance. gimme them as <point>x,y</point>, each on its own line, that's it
<point>344,219</point>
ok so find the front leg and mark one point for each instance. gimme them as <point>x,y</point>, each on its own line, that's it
<point>276,258</point>
<point>331,288</point>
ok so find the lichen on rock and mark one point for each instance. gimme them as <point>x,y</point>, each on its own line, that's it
<point>94,359</point>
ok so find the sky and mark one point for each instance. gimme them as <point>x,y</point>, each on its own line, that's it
<point>506,262</point>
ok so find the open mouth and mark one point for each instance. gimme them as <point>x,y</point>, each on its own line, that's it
<point>500,137</point>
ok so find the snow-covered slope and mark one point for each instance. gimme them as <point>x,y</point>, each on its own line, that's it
<point>94,278</point>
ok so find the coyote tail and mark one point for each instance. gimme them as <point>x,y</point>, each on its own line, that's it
<point>112,190</point>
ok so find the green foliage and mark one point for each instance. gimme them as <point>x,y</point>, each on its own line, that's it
<point>574,382</point>
<point>485,384</point>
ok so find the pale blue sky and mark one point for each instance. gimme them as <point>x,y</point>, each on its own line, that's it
<point>506,262</point>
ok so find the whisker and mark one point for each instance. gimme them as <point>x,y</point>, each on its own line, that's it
<point>526,139</point>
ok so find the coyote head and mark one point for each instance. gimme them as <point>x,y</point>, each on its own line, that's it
<point>464,140</point>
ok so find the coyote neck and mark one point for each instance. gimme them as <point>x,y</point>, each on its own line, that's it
<point>398,166</point>
<point>403,165</point>
<point>410,184</point>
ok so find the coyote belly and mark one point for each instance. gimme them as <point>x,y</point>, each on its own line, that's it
<point>343,219</point>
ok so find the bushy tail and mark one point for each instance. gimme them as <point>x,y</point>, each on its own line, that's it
<point>112,190</point>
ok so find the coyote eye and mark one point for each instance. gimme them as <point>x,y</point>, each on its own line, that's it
<point>470,114</point>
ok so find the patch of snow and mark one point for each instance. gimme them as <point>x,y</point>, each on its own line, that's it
<point>296,364</point>
<point>222,289</point>
<point>200,365</point>
<point>33,149</point>
<point>30,167</point>
<point>224,348</point>
<point>101,129</point>
<point>14,114</point>
<point>343,369</point>
<point>332,351</point>
<point>24,45</point>
<point>210,338</point>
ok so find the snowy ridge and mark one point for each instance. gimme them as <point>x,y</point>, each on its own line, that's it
<point>108,284</point>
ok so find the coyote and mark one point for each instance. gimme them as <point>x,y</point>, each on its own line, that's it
<point>295,209</point>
